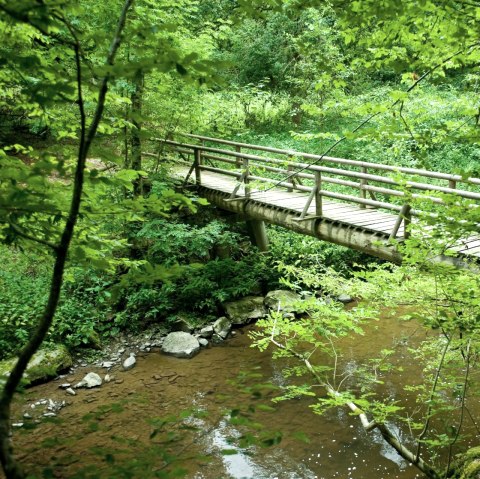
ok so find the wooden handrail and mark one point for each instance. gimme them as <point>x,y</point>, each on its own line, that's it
<point>335,171</point>
<point>360,175</point>
<point>343,161</point>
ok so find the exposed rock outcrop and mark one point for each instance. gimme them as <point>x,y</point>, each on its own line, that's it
<point>284,300</point>
<point>245,310</point>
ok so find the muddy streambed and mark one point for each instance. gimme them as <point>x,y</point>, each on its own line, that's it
<point>128,427</point>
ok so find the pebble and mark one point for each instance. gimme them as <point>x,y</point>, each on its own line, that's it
<point>27,416</point>
<point>107,364</point>
<point>107,378</point>
<point>17,424</point>
<point>119,381</point>
<point>70,391</point>
<point>49,414</point>
<point>121,350</point>
<point>64,385</point>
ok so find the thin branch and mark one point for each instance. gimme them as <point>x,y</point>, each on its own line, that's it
<point>384,430</point>
<point>407,126</point>
<point>24,18</point>
<point>367,120</point>
<point>462,414</point>
<point>432,393</point>
<point>27,236</point>
<point>475,425</point>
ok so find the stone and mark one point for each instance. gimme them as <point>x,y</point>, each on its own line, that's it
<point>180,345</point>
<point>344,298</point>
<point>44,365</point>
<point>206,332</point>
<point>182,324</point>
<point>94,340</point>
<point>284,300</point>
<point>222,327</point>
<point>108,364</point>
<point>70,391</point>
<point>216,339</point>
<point>107,378</point>
<point>129,363</point>
<point>245,310</point>
<point>203,342</point>
<point>91,380</point>
<point>64,385</point>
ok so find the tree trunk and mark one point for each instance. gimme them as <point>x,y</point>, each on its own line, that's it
<point>10,466</point>
<point>136,139</point>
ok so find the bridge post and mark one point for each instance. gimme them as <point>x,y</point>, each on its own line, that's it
<point>363,193</point>
<point>246,181</point>
<point>406,221</point>
<point>291,178</point>
<point>197,155</point>
<point>318,196</point>
<point>405,215</point>
<point>258,234</point>
<point>238,149</point>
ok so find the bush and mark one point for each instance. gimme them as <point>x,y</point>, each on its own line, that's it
<point>24,286</point>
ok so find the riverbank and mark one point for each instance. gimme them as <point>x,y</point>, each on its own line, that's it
<point>135,422</point>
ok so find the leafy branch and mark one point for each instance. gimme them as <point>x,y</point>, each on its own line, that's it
<point>12,469</point>
<point>368,425</point>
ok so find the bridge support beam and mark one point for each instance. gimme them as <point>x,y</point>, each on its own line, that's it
<point>258,233</point>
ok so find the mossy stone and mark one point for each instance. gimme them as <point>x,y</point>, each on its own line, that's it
<point>45,365</point>
<point>467,465</point>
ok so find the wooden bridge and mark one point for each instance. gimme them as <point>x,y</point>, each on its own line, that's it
<point>358,204</point>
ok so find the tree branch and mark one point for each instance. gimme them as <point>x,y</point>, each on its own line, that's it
<point>27,236</point>
<point>462,414</point>
<point>384,430</point>
<point>430,401</point>
<point>372,116</point>
<point>11,467</point>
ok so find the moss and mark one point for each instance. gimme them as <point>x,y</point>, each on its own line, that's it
<point>471,470</point>
<point>467,465</point>
<point>45,364</point>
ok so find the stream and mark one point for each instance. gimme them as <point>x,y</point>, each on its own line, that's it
<point>129,427</point>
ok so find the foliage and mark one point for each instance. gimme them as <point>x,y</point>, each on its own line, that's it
<point>407,71</point>
<point>440,296</point>
<point>212,265</point>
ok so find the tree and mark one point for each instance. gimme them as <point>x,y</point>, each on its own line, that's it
<point>50,22</point>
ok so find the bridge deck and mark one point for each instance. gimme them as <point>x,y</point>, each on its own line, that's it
<point>369,220</point>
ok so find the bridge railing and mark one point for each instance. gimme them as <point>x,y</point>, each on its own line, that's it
<point>377,185</point>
